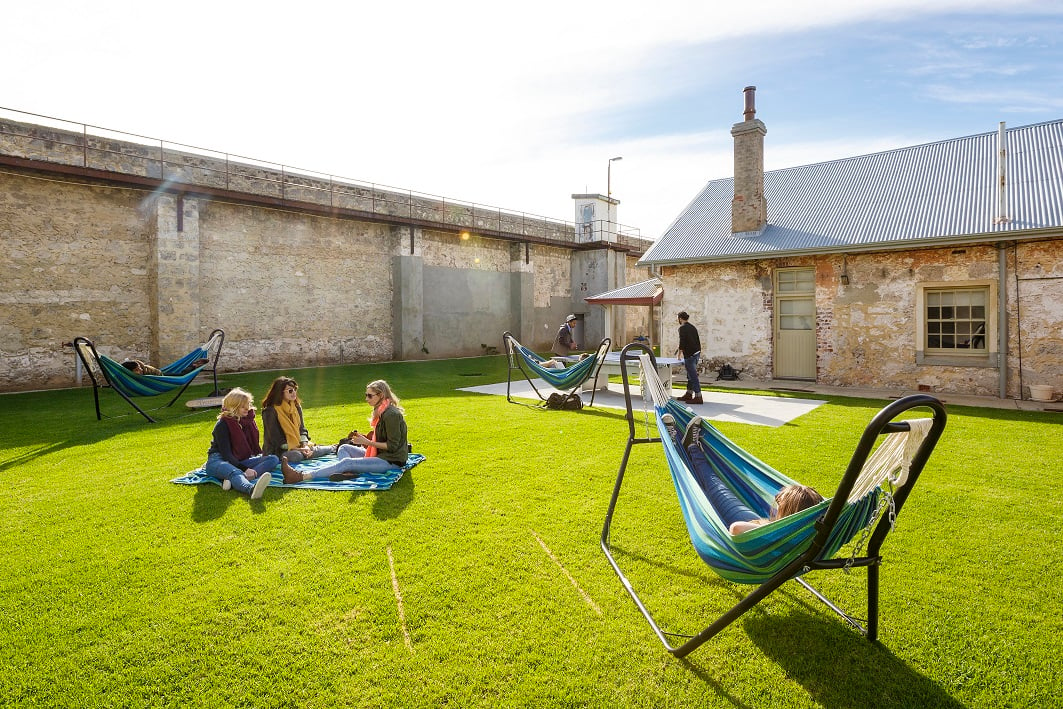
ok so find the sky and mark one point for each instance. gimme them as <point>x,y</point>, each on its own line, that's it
<point>520,105</point>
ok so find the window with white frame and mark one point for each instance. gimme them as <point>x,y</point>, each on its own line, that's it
<point>955,320</point>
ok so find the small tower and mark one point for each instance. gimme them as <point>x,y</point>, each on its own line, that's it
<point>595,218</point>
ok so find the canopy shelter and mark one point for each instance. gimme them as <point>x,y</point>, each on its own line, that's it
<point>646,293</point>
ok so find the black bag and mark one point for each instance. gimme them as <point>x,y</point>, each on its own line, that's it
<point>567,402</point>
<point>728,373</point>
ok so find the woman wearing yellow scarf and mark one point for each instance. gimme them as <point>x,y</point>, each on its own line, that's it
<point>284,432</point>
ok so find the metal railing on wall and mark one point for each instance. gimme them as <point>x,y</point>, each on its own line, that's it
<point>38,137</point>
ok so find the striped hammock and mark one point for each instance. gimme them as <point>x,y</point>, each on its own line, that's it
<point>557,378</point>
<point>175,375</point>
<point>530,366</point>
<point>757,555</point>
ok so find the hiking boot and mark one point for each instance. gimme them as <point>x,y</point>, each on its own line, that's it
<point>693,433</point>
<point>291,475</point>
<point>695,399</point>
<point>260,486</point>
<point>684,397</point>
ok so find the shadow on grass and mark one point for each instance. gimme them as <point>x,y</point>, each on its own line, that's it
<point>840,668</point>
<point>208,505</point>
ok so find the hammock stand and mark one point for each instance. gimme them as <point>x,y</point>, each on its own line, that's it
<point>570,378</point>
<point>108,373</point>
<point>817,555</point>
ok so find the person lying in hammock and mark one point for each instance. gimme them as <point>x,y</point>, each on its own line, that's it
<point>560,363</point>
<point>733,512</point>
<point>138,367</point>
<point>790,500</point>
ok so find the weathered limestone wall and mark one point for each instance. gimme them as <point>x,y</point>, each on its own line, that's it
<point>77,263</point>
<point>293,289</point>
<point>730,304</point>
<point>867,331</point>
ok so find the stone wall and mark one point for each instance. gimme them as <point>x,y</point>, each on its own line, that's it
<point>77,263</point>
<point>149,275</point>
<point>867,331</point>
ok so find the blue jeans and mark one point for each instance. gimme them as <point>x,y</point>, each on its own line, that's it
<point>728,506</point>
<point>691,364</point>
<point>352,460</point>
<point>296,456</point>
<point>224,470</point>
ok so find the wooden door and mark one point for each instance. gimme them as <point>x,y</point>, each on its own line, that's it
<point>795,323</point>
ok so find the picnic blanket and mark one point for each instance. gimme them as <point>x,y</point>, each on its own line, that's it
<point>368,481</point>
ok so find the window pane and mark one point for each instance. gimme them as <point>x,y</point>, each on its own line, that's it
<point>956,319</point>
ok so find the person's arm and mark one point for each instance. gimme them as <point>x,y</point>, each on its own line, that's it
<point>739,527</point>
<point>272,435</point>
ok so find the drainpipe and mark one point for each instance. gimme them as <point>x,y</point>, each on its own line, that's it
<point>1002,320</point>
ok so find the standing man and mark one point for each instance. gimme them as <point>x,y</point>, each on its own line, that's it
<point>563,342</point>
<point>690,351</point>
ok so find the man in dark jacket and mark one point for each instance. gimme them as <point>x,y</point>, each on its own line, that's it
<point>563,341</point>
<point>690,351</point>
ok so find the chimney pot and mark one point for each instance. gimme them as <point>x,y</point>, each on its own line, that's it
<point>750,108</point>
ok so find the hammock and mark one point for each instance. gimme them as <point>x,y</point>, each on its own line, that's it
<point>107,372</point>
<point>570,378</point>
<point>874,487</point>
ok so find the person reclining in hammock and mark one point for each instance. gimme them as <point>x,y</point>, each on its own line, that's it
<point>733,512</point>
<point>560,363</point>
<point>138,367</point>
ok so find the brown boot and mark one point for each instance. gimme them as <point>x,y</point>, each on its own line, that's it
<point>684,397</point>
<point>696,399</point>
<point>291,475</point>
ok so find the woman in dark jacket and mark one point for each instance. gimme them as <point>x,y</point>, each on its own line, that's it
<point>284,432</point>
<point>235,456</point>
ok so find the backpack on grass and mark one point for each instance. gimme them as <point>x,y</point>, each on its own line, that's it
<point>567,402</point>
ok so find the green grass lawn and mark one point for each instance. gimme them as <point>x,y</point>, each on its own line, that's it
<point>122,589</point>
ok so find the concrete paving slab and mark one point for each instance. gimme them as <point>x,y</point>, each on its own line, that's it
<point>719,406</point>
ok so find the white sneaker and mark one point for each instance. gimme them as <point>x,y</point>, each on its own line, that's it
<point>226,484</point>
<point>260,486</point>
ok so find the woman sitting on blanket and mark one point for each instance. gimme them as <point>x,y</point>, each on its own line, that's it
<point>732,511</point>
<point>284,433</point>
<point>235,456</point>
<point>385,448</point>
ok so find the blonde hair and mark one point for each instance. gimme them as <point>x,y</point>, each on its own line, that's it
<point>382,388</point>
<point>233,401</point>
<point>794,498</point>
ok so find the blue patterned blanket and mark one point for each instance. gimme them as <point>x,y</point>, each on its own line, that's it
<point>369,481</point>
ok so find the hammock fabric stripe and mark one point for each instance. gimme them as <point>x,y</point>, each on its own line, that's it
<point>557,378</point>
<point>133,384</point>
<point>757,555</point>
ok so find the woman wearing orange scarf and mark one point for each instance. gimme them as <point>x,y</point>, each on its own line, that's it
<point>284,431</point>
<point>385,448</point>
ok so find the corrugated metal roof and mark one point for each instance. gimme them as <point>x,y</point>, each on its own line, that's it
<point>938,191</point>
<point>648,292</point>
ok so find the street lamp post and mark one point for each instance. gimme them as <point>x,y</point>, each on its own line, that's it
<point>609,177</point>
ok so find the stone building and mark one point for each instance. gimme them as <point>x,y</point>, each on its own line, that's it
<point>937,267</point>
<point>145,247</point>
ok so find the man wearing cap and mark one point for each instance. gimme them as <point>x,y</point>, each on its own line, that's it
<point>563,343</point>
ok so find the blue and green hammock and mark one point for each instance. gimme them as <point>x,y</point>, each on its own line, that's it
<point>873,489</point>
<point>109,373</point>
<point>570,378</point>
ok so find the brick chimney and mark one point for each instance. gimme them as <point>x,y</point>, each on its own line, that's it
<point>748,211</point>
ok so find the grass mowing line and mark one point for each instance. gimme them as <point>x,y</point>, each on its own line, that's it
<point>588,599</point>
<point>398,600</point>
